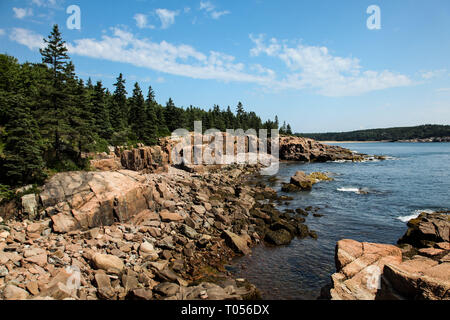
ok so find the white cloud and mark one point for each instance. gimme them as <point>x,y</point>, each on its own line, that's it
<point>45,3</point>
<point>181,60</point>
<point>311,67</point>
<point>27,37</point>
<point>167,17</point>
<point>21,13</point>
<point>142,21</point>
<point>443,90</point>
<point>209,8</point>
<point>2,32</point>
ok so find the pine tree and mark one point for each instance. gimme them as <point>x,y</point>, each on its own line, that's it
<point>55,56</point>
<point>174,116</point>
<point>288,130</point>
<point>138,115</point>
<point>100,112</point>
<point>23,161</point>
<point>119,110</point>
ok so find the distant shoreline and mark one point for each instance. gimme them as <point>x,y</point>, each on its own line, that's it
<point>348,141</point>
<point>352,141</point>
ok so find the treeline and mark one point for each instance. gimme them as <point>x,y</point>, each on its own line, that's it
<point>49,117</point>
<point>389,134</point>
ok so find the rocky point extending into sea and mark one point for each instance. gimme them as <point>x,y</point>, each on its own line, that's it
<point>138,227</point>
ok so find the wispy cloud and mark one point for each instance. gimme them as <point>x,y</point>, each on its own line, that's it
<point>21,13</point>
<point>312,67</point>
<point>46,3</point>
<point>2,32</point>
<point>210,9</point>
<point>142,21</point>
<point>27,37</point>
<point>167,17</point>
<point>181,60</point>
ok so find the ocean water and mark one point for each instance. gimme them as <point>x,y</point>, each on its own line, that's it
<point>415,178</point>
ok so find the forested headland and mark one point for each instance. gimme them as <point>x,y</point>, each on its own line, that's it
<point>388,134</point>
<point>49,117</point>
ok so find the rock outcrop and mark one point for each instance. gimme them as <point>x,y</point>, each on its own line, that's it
<point>427,229</point>
<point>309,150</point>
<point>303,182</point>
<point>386,272</point>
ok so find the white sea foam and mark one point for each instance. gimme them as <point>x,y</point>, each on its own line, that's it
<point>354,190</point>
<point>415,214</point>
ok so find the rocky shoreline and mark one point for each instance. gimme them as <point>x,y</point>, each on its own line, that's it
<point>139,228</point>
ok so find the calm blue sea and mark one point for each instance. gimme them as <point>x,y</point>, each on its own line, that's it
<point>415,178</point>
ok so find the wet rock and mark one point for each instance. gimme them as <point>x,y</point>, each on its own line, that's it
<point>302,180</point>
<point>278,237</point>
<point>427,229</point>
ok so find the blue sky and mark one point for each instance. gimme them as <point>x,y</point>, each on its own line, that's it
<point>314,64</point>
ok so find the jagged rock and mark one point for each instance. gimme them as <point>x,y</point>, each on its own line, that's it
<point>305,149</point>
<point>104,287</point>
<point>189,232</point>
<point>106,164</point>
<point>90,199</point>
<point>30,206</point>
<point>359,267</point>
<point>302,180</point>
<point>427,229</point>
<point>236,242</point>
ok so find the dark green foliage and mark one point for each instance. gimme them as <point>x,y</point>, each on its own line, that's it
<point>22,161</point>
<point>389,134</point>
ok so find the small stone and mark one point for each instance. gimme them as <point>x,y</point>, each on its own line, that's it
<point>142,294</point>
<point>109,263</point>
<point>167,216</point>
<point>33,287</point>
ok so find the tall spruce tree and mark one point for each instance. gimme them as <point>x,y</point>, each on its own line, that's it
<point>119,108</point>
<point>23,161</point>
<point>137,113</point>
<point>55,56</point>
<point>100,112</point>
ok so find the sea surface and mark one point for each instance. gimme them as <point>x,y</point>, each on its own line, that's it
<point>415,178</point>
